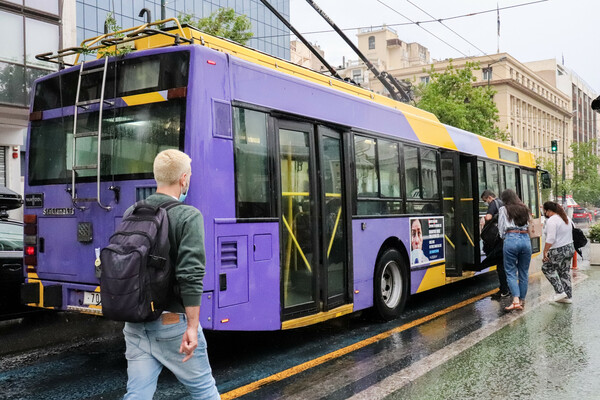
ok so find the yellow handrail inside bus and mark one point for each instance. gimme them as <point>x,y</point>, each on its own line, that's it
<point>337,220</point>
<point>450,241</point>
<point>468,236</point>
<point>293,237</point>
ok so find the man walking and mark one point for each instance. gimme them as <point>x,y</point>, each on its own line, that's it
<point>494,256</point>
<point>175,340</point>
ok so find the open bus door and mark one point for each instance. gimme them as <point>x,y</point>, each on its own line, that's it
<point>460,212</point>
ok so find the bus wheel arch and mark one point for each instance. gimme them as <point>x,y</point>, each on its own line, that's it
<point>391,280</point>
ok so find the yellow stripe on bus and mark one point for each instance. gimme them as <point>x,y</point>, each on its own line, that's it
<point>144,98</point>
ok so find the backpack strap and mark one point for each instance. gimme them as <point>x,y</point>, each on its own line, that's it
<point>170,204</point>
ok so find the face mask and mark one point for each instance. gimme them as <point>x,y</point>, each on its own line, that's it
<point>182,196</point>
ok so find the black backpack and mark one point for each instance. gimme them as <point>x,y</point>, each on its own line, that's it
<point>579,239</point>
<point>137,276</point>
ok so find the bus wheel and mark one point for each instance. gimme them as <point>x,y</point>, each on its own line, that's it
<point>390,285</point>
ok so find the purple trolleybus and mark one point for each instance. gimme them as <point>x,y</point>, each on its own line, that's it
<point>319,198</point>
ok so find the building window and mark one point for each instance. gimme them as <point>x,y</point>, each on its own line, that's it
<point>371,42</point>
<point>357,76</point>
<point>487,73</point>
<point>425,80</point>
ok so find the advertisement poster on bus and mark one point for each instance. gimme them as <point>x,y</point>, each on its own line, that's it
<point>426,240</point>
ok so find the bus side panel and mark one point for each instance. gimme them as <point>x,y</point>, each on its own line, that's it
<point>247,292</point>
<point>284,92</point>
<point>366,246</point>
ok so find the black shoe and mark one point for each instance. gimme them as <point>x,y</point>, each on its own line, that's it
<point>499,295</point>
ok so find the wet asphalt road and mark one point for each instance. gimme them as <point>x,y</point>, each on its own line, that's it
<point>63,356</point>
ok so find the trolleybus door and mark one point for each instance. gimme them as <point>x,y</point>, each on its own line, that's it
<point>451,207</point>
<point>312,219</point>
<point>459,199</point>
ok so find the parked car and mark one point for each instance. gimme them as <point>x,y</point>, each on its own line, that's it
<point>596,214</point>
<point>580,214</point>
<point>11,252</point>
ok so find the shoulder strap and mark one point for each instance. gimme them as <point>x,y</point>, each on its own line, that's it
<point>170,204</point>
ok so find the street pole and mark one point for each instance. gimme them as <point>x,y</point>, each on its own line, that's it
<point>556,176</point>
<point>564,196</point>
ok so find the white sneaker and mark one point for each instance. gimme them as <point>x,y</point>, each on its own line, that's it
<point>565,300</point>
<point>559,296</point>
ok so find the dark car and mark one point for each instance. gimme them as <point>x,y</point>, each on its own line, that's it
<point>580,214</point>
<point>11,251</point>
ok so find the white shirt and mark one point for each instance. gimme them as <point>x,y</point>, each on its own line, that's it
<point>557,232</point>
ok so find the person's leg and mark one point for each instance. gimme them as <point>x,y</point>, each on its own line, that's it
<point>142,368</point>
<point>195,373</point>
<point>524,259</point>
<point>550,270</point>
<point>564,268</point>
<point>510,265</point>
<point>502,277</point>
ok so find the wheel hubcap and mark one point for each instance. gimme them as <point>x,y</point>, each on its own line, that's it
<point>391,284</point>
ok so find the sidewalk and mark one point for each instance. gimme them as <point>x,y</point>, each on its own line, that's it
<point>548,351</point>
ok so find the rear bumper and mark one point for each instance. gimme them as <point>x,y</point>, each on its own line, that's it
<point>58,295</point>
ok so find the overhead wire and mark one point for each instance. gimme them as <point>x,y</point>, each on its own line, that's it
<point>414,22</point>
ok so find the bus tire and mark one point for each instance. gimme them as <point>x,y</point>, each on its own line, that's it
<point>390,284</point>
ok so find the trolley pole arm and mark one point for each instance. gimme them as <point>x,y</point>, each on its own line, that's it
<point>398,93</point>
<point>302,39</point>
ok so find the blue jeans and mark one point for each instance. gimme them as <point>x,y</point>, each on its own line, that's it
<point>517,257</point>
<point>152,345</point>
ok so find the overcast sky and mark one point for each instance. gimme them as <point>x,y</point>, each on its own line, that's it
<point>544,30</point>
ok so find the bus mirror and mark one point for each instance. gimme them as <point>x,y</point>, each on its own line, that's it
<point>546,181</point>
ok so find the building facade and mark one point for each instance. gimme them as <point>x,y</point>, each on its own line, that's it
<point>585,124</point>
<point>300,54</point>
<point>270,35</point>
<point>33,27</point>
<point>29,27</point>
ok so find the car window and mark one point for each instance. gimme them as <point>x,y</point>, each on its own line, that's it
<point>11,237</point>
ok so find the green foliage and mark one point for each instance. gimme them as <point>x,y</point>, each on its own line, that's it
<point>119,50</point>
<point>223,23</point>
<point>586,180</point>
<point>594,233</point>
<point>451,96</point>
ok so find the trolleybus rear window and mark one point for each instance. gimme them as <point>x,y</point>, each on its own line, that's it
<point>131,138</point>
<point>133,76</point>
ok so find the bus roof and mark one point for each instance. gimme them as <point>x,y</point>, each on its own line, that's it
<point>426,126</point>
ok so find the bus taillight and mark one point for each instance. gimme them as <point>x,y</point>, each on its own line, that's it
<point>30,249</point>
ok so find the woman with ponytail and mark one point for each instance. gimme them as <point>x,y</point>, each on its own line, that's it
<point>558,251</point>
<point>513,220</point>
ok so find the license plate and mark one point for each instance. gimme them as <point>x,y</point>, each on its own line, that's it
<point>92,298</point>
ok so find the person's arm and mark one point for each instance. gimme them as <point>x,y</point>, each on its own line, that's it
<point>189,273</point>
<point>189,342</point>
<point>550,238</point>
<point>502,222</point>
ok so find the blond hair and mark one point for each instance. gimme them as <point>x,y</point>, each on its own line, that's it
<point>169,165</point>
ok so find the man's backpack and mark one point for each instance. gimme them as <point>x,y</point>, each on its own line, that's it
<point>137,275</point>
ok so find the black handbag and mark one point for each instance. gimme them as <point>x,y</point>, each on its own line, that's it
<point>579,239</point>
<point>490,236</point>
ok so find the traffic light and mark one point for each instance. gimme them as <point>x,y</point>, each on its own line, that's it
<point>554,146</point>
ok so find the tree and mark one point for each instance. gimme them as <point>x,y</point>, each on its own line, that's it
<point>586,180</point>
<point>223,23</point>
<point>451,96</point>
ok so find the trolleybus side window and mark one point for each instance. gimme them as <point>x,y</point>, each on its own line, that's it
<point>422,191</point>
<point>253,185</point>
<point>511,178</point>
<point>482,185</point>
<point>492,177</point>
<point>377,176</point>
